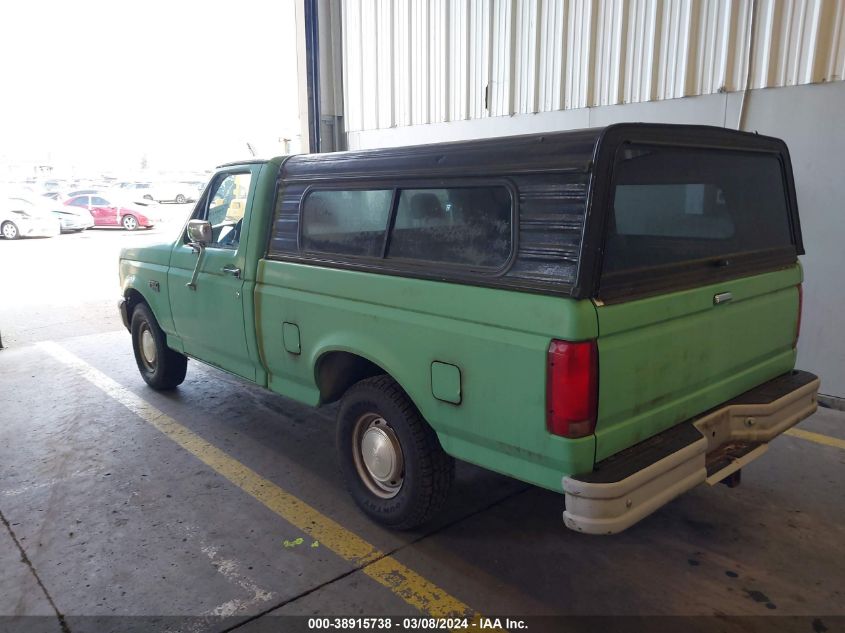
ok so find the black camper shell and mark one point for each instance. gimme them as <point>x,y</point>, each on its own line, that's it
<point>562,185</point>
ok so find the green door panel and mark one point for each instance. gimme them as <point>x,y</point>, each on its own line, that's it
<point>210,319</point>
<point>498,338</point>
<point>667,358</point>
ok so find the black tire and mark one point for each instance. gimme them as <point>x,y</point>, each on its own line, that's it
<point>166,369</point>
<point>129,222</point>
<point>180,199</point>
<point>427,472</point>
<point>9,230</point>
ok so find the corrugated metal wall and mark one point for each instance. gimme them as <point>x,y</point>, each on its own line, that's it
<point>408,62</point>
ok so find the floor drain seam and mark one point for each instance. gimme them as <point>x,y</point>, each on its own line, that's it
<point>298,596</point>
<point>25,560</point>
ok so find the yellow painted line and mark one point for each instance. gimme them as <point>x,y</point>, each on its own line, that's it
<point>818,438</point>
<point>417,591</point>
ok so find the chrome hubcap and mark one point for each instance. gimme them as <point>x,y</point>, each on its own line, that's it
<point>378,456</point>
<point>148,348</point>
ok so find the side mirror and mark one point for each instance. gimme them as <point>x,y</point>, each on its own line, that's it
<point>199,236</point>
<point>199,232</point>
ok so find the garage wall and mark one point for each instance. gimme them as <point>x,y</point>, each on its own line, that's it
<point>428,61</point>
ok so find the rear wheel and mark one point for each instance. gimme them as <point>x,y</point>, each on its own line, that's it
<point>160,367</point>
<point>10,231</point>
<point>394,466</point>
<point>130,222</point>
<point>180,199</point>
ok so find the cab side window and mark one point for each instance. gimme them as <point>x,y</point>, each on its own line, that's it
<point>225,208</point>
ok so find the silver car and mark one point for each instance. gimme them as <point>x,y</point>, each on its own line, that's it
<point>20,217</point>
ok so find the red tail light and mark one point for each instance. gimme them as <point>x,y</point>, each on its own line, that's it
<point>800,310</point>
<point>572,386</point>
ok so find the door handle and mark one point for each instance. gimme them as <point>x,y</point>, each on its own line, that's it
<point>232,270</point>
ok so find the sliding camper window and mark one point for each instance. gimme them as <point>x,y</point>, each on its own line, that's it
<point>688,207</point>
<point>468,226</point>
<point>463,226</point>
<point>346,222</point>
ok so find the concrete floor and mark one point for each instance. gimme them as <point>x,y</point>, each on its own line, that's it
<point>106,516</point>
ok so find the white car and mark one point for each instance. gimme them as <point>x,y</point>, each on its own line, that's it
<point>21,218</point>
<point>72,219</point>
<point>178,192</point>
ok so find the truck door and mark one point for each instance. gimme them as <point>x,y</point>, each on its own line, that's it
<point>209,317</point>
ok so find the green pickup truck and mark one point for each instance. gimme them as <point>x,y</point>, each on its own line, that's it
<point>608,313</point>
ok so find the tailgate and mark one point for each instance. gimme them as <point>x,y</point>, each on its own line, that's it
<point>665,359</point>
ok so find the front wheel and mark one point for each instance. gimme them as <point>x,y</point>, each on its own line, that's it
<point>160,367</point>
<point>10,231</point>
<point>180,199</point>
<point>130,222</point>
<point>394,466</point>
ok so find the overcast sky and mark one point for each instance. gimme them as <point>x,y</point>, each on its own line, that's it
<point>187,83</point>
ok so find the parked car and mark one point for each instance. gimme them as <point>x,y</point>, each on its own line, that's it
<point>178,192</point>
<point>197,186</point>
<point>20,217</point>
<point>135,191</point>
<point>107,212</point>
<point>72,218</point>
<point>611,314</point>
<point>80,192</point>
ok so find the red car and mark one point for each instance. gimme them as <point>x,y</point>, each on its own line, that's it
<point>106,213</point>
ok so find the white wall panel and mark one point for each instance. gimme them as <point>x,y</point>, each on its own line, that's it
<point>385,90</point>
<point>370,84</point>
<point>421,83</point>
<point>610,33</point>
<point>641,31</point>
<point>526,45</point>
<point>551,55</point>
<point>401,64</point>
<point>479,58</point>
<point>458,61</point>
<point>580,45</point>
<point>411,62</point>
<point>439,60</point>
<point>503,54</point>
<point>352,65</point>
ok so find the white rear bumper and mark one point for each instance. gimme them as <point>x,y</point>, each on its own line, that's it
<point>629,486</point>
